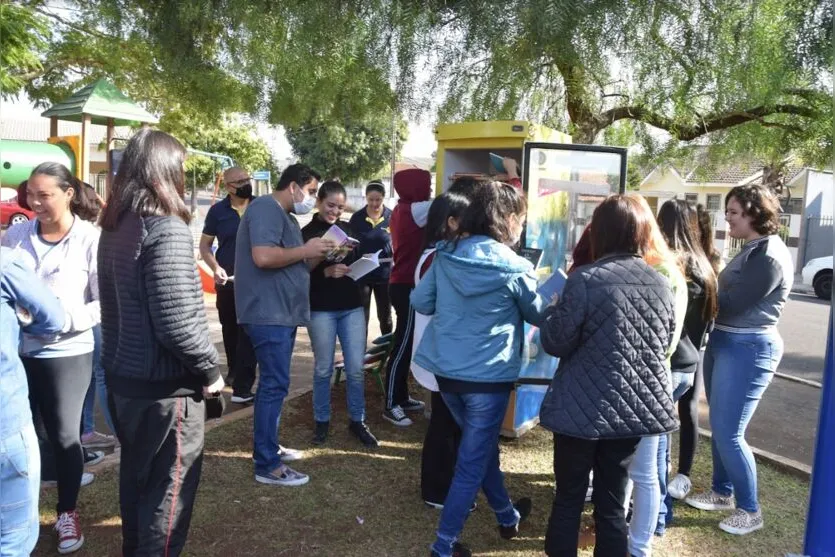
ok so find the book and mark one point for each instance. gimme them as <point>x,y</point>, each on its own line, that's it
<point>553,284</point>
<point>534,255</point>
<point>344,244</point>
<point>498,163</point>
<point>364,265</point>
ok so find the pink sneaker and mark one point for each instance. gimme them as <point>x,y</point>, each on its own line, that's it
<point>70,538</point>
<point>96,440</point>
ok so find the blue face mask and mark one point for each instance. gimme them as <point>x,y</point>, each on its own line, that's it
<point>304,206</point>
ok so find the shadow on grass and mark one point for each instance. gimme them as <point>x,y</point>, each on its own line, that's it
<point>363,502</point>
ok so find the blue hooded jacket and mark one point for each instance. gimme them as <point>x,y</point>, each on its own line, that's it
<point>20,287</point>
<point>478,292</point>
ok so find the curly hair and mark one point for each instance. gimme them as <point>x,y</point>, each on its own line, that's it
<point>760,205</point>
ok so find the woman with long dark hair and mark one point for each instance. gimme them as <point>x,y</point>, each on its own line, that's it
<point>679,225</point>
<point>611,329</point>
<point>440,445</point>
<point>60,244</point>
<point>743,352</point>
<point>157,356</point>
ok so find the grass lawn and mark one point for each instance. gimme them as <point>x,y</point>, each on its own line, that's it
<point>367,502</point>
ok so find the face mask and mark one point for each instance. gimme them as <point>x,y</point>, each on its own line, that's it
<point>304,206</point>
<point>244,192</point>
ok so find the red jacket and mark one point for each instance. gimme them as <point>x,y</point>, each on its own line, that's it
<point>414,186</point>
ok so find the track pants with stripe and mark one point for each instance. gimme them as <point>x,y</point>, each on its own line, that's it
<point>162,456</point>
<point>397,375</point>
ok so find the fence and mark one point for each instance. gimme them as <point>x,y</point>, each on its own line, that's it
<point>735,244</point>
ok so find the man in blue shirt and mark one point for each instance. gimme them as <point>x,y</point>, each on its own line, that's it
<point>24,301</point>
<point>222,222</point>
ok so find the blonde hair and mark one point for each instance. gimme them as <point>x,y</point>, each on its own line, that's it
<point>657,251</point>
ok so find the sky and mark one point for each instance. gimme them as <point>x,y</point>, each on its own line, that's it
<point>421,142</point>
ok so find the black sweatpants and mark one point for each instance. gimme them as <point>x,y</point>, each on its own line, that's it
<point>397,373</point>
<point>57,387</point>
<point>573,460</point>
<point>162,456</point>
<point>440,451</point>
<point>380,291</point>
<point>688,413</point>
<point>240,355</point>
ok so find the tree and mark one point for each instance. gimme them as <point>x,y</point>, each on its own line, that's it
<point>350,151</point>
<point>233,139</point>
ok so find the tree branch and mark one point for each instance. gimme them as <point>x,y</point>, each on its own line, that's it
<point>708,124</point>
<point>79,28</point>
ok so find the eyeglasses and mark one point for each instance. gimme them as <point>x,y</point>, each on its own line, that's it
<point>239,183</point>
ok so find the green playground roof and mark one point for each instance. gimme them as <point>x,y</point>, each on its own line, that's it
<point>101,100</point>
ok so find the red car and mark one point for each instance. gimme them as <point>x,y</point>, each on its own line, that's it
<point>12,213</point>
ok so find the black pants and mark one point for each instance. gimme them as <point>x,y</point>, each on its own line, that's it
<point>380,291</point>
<point>57,387</point>
<point>440,451</point>
<point>240,355</point>
<point>162,455</point>
<point>397,374</point>
<point>573,460</point>
<point>688,413</point>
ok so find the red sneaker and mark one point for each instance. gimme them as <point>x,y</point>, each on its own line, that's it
<point>70,538</point>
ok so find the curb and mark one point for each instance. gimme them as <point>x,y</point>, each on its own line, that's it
<point>783,464</point>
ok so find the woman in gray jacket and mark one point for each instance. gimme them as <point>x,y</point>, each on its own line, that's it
<point>611,330</point>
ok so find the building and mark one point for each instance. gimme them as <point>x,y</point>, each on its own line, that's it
<point>710,186</point>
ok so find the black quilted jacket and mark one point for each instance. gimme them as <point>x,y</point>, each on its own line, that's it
<point>155,334</point>
<point>611,330</point>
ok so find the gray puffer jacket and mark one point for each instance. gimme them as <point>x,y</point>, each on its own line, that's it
<point>611,330</point>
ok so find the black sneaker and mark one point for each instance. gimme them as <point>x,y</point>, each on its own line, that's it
<point>91,458</point>
<point>458,550</point>
<point>320,434</point>
<point>523,507</point>
<point>397,416</point>
<point>412,405</point>
<point>242,398</point>
<point>361,431</point>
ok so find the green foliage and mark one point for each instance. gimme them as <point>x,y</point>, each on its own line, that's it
<point>352,151</point>
<point>232,139</point>
<point>21,38</point>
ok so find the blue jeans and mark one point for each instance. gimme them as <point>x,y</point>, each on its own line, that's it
<point>97,386</point>
<point>643,471</point>
<point>274,349</point>
<point>681,383</point>
<point>324,328</point>
<point>480,417</point>
<point>738,370</point>
<point>20,483</point>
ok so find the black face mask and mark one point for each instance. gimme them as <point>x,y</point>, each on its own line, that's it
<point>244,192</point>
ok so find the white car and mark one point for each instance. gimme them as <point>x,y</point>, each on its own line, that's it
<point>818,274</point>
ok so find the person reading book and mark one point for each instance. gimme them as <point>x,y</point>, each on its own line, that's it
<point>336,312</point>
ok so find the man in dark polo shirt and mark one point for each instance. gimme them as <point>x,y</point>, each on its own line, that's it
<point>222,222</point>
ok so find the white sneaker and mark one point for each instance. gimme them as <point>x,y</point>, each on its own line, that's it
<point>289,455</point>
<point>711,501</point>
<point>86,479</point>
<point>742,522</point>
<point>397,416</point>
<point>679,487</point>
<point>283,476</point>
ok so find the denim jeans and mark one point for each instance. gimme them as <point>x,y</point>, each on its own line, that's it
<point>479,415</point>
<point>20,483</point>
<point>324,328</point>
<point>643,473</point>
<point>97,387</point>
<point>738,369</point>
<point>274,349</point>
<point>681,383</point>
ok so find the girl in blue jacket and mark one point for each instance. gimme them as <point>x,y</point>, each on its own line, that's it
<point>478,291</point>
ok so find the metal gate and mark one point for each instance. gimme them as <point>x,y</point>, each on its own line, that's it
<point>817,242</point>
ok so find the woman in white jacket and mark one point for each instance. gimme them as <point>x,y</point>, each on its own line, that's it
<point>61,245</point>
